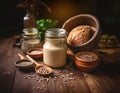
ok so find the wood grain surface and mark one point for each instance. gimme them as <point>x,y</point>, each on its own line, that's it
<point>104,79</point>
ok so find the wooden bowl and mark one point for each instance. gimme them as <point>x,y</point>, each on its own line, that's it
<point>84,19</point>
<point>107,60</point>
<point>109,56</point>
<point>35,53</point>
<point>86,61</point>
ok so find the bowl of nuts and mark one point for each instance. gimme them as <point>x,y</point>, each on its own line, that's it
<point>86,61</point>
<point>83,32</point>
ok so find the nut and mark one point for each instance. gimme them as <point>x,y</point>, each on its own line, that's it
<point>79,35</point>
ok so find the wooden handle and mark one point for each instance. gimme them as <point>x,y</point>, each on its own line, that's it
<point>20,56</point>
<point>32,60</point>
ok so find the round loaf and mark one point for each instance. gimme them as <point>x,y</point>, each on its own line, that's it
<point>79,35</point>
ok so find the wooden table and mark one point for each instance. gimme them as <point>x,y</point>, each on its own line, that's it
<point>104,79</point>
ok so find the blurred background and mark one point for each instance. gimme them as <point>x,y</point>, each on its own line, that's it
<point>107,12</point>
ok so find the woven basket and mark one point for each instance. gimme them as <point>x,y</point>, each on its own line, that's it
<point>84,19</point>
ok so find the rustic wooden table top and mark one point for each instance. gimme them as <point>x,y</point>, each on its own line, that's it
<point>104,79</point>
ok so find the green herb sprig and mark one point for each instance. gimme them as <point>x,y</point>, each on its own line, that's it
<point>44,24</point>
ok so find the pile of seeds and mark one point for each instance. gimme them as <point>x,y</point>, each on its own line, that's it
<point>87,57</point>
<point>42,70</point>
<point>65,75</point>
<point>38,78</point>
<point>42,87</point>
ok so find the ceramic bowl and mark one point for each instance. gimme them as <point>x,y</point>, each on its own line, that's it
<point>24,64</point>
<point>35,53</point>
<point>84,19</point>
<point>86,61</point>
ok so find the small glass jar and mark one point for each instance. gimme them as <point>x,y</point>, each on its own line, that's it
<point>55,48</point>
<point>30,39</point>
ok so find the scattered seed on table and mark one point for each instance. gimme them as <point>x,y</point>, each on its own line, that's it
<point>86,75</point>
<point>60,71</point>
<point>37,88</point>
<point>39,81</point>
<point>73,78</point>
<point>25,77</point>
<point>50,77</point>
<point>41,88</point>
<point>65,81</point>
<point>70,73</point>
<point>53,79</point>
<point>34,88</point>
<point>67,75</point>
<point>34,78</point>
<point>63,76</point>
<point>29,77</point>
<point>47,80</point>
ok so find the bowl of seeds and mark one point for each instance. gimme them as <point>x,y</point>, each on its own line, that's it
<point>86,61</point>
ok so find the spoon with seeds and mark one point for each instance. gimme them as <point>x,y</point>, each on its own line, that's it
<point>40,68</point>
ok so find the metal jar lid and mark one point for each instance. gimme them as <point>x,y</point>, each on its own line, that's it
<point>56,33</point>
<point>30,31</point>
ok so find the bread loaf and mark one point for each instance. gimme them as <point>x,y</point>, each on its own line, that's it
<point>79,35</point>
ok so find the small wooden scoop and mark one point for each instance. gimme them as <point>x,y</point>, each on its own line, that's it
<point>23,63</point>
<point>40,68</point>
<point>21,57</point>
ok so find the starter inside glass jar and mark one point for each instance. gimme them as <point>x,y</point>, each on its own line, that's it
<point>54,53</point>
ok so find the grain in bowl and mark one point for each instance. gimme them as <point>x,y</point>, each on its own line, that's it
<point>86,61</point>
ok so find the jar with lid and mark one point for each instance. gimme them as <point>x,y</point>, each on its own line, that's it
<point>30,39</point>
<point>55,48</point>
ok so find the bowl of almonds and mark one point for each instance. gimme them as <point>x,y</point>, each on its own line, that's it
<point>83,32</point>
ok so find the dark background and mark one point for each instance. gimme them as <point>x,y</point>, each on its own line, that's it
<point>107,12</point>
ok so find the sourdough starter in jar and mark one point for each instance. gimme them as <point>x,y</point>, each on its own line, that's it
<point>55,48</point>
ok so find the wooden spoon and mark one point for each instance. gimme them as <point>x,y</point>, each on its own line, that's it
<point>21,57</point>
<point>40,68</point>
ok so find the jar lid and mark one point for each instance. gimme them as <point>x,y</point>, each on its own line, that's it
<point>30,31</point>
<point>56,33</point>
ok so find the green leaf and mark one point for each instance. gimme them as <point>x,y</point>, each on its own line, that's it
<point>44,24</point>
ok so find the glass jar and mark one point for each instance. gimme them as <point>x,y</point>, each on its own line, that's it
<point>55,48</point>
<point>29,21</point>
<point>30,39</point>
